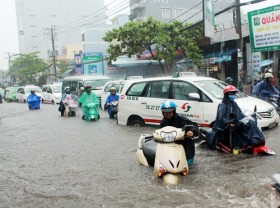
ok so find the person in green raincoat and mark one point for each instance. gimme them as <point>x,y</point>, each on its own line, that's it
<point>90,105</point>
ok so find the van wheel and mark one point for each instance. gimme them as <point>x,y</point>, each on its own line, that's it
<point>24,101</point>
<point>52,101</point>
<point>136,122</point>
<point>42,101</point>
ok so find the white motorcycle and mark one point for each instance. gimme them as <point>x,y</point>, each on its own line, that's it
<point>160,151</point>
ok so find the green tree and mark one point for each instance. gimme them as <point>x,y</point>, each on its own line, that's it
<point>29,67</point>
<point>167,39</point>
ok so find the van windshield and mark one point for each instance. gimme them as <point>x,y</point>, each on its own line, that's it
<point>97,84</point>
<point>215,88</point>
<point>57,89</point>
<point>35,88</point>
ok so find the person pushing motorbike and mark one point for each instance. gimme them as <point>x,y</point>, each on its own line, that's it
<point>265,89</point>
<point>171,118</point>
<point>230,128</point>
<point>111,97</point>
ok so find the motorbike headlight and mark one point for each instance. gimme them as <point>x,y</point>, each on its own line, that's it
<point>168,136</point>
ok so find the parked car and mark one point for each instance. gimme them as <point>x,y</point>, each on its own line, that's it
<point>23,92</point>
<point>10,94</point>
<point>106,90</point>
<point>196,97</point>
<point>52,93</point>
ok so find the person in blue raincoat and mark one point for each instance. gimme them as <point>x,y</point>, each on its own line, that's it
<point>230,120</point>
<point>264,88</point>
<point>111,97</point>
<point>33,101</point>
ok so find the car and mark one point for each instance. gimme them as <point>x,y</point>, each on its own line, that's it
<point>10,94</point>
<point>52,93</point>
<point>118,84</point>
<point>196,97</point>
<point>2,93</point>
<point>24,91</point>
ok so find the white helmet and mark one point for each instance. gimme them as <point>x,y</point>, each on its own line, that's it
<point>268,75</point>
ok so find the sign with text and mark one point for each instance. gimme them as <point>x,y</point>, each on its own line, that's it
<point>208,17</point>
<point>93,63</point>
<point>264,27</point>
<point>256,65</point>
<point>78,64</point>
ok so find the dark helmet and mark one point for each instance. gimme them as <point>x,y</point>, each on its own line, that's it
<point>229,79</point>
<point>87,87</point>
<point>67,90</point>
<point>230,88</point>
<point>168,106</point>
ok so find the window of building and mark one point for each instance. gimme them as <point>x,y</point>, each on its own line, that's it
<point>178,12</point>
<point>165,12</point>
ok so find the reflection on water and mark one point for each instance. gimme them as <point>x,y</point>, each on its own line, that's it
<point>51,161</point>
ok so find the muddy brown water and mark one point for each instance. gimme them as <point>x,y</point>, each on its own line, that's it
<point>51,161</point>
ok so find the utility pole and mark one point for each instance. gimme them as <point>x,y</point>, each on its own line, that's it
<point>12,75</point>
<point>53,54</point>
<point>239,44</point>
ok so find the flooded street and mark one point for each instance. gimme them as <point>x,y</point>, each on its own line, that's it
<point>51,161</point>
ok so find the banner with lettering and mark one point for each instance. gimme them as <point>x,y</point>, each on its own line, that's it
<point>264,25</point>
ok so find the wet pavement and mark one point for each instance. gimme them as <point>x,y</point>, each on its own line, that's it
<point>50,161</point>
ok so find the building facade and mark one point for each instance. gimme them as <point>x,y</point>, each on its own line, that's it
<point>44,25</point>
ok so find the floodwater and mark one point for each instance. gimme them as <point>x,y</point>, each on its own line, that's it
<point>51,161</point>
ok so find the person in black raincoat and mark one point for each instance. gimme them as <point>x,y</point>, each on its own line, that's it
<point>232,128</point>
<point>171,118</point>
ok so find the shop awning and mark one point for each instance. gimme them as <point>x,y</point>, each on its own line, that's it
<point>219,56</point>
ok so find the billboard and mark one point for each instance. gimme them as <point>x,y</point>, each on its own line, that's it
<point>208,17</point>
<point>264,25</point>
<point>93,63</point>
<point>78,64</point>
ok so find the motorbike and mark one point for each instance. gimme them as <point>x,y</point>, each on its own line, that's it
<point>33,102</point>
<point>275,101</point>
<point>70,105</point>
<point>276,178</point>
<point>206,133</point>
<point>114,108</point>
<point>91,112</point>
<point>160,151</point>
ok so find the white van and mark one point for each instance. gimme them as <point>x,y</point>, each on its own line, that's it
<point>76,82</point>
<point>52,93</point>
<point>196,97</point>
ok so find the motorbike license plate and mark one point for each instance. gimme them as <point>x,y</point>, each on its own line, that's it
<point>272,125</point>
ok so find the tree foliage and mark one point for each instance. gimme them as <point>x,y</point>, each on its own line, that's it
<point>62,65</point>
<point>29,67</point>
<point>166,39</point>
